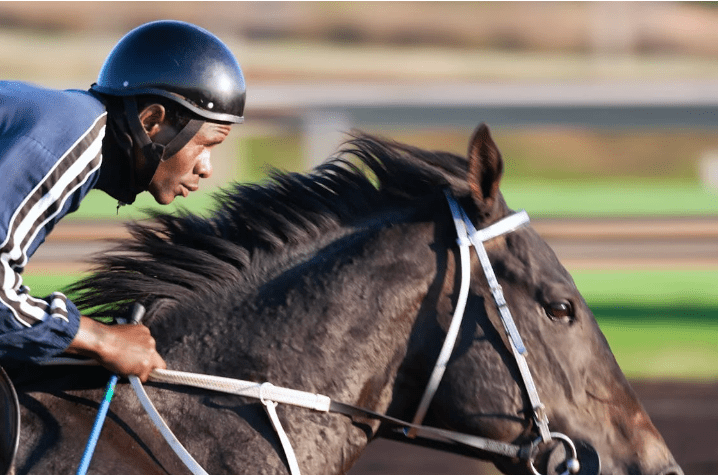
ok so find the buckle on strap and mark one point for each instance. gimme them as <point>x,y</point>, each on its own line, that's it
<point>572,464</point>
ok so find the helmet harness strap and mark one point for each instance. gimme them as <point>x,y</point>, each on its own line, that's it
<point>155,152</point>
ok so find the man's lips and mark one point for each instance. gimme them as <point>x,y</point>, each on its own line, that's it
<point>187,189</point>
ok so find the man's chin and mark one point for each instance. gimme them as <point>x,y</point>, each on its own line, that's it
<point>163,199</point>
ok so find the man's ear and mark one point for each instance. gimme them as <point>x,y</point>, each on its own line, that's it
<point>151,117</point>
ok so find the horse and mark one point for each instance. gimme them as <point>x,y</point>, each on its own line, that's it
<point>342,282</point>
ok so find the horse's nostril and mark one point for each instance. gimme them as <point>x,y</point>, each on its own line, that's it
<point>674,470</point>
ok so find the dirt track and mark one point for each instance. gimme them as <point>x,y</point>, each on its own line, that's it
<point>617,243</point>
<point>685,414</point>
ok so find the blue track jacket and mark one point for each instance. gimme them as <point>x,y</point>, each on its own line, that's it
<point>50,156</point>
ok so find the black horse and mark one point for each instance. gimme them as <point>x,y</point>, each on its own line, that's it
<point>342,282</point>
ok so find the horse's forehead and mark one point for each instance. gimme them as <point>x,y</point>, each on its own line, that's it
<point>524,258</point>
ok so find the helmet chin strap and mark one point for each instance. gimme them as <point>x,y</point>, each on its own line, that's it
<point>155,152</point>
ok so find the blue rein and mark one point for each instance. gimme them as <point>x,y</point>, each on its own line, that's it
<point>137,314</point>
<point>97,426</point>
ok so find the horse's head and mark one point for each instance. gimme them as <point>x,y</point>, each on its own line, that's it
<point>585,394</point>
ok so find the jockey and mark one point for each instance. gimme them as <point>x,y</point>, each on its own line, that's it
<point>167,94</point>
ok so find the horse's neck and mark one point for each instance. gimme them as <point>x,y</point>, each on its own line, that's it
<point>338,325</point>
<point>349,314</point>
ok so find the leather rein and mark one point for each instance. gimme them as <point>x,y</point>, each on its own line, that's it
<point>271,395</point>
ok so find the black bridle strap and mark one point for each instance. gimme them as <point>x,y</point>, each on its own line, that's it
<point>155,152</point>
<point>431,434</point>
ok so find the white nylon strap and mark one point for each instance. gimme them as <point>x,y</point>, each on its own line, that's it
<point>467,232</point>
<point>466,236</point>
<point>271,406</point>
<point>516,343</point>
<point>505,226</point>
<point>267,393</point>
<point>164,429</point>
<point>453,332</point>
<point>496,290</point>
<point>317,402</point>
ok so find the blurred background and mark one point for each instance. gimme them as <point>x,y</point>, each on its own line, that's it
<point>606,114</point>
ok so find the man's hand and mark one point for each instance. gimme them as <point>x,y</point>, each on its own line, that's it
<point>123,349</point>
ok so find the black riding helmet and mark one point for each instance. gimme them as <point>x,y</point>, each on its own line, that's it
<point>180,62</point>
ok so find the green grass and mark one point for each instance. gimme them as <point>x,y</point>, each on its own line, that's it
<point>98,205</point>
<point>610,197</point>
<point>679,350</point>
<point>649,288</point>
<point>564,198</point>
<point>44,284</point>
<point>660,325</point>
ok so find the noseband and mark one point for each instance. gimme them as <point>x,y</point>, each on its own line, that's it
<point>270,395</point>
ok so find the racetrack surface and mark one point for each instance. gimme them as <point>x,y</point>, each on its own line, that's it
<point>595,243</point>
<point>685,413</point>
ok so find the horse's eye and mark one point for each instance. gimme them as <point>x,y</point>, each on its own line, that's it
<point>560,312</point>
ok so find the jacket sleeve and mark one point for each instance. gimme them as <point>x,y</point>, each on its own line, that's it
<point>36,329</point>
<point>38,194</point>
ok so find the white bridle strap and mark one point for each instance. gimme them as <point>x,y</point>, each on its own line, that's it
<point>468,235</point>
<point>267,393</point>
<point>518,348</point>
<point>271,408</point>
<point>317,402</point>
<point>453,332</point>
<point>164,429</point>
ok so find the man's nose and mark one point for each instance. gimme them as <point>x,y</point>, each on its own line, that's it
<point>204,166</point>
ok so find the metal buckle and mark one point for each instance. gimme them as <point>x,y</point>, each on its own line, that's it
<point>572,464</point>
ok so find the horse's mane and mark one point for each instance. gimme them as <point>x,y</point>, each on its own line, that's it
<point>174,257</point>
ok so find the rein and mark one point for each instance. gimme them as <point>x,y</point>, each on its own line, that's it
<point>271,395</point>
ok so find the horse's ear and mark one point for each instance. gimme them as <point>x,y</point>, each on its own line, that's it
<point>485,169</point>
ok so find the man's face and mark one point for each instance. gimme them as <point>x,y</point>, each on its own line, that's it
<point>180,174</point>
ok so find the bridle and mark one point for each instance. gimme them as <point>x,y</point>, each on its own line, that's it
<point>271,395</point>
<point>467,236</point>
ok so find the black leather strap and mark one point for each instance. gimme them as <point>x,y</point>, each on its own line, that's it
<point>155,152</point>
<point>9,423</point>
<point>429,436</point>
<point>182,138</point>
